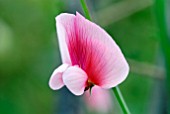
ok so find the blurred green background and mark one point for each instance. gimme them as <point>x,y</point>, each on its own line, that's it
<point>29,53</point>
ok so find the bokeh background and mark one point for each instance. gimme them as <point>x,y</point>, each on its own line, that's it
<point>29,53</point>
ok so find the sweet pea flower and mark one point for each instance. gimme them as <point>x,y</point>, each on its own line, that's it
<point>89,56</point>
<point>98,100</point>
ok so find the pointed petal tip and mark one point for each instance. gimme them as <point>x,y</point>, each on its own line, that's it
<point>78,15</point>
<point>68,14</point>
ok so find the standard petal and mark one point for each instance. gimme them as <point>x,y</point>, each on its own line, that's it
<point>99,99</point>
<point>75,80</point>
<point>64,24</point>
<point>56,81</point>
<point>92,49</point>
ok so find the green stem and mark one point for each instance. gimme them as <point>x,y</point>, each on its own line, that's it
<point>120,99</point>
<point>115,89</point>
<point>85,9</point>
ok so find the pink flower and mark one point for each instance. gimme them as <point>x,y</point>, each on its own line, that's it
<point>89,55</point>
<point>99,100</point>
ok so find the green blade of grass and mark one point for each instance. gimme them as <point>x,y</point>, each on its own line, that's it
<point>160,8</point>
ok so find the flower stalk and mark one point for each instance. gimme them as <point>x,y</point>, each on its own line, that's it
<point>120,99</point>
<point>85,9</point>
<point>116,90</point>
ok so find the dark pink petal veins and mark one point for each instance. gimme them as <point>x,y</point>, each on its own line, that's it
<point>94,51</point>
<point>88,55</point>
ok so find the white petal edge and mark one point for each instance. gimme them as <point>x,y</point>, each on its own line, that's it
<point>63,22</point>
<point>56,81</point>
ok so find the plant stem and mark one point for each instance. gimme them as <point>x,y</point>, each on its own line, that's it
<point>115,89</point>
<point>120,99</point>
<point>85,9</point>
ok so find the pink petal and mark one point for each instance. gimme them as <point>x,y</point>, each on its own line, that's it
<point>64,21</point>
<point>75,80</point>
<point>56,81</point>
<point>85,44</point>
<point>99,100</point>
<point>97,54</point>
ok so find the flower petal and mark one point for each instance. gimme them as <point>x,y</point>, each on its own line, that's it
<point>64,21</point>
<point>87,45</point>
<point>56,81</point>
<point>99,99</point>
<point>96,53</point>
<point>75,80</point>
